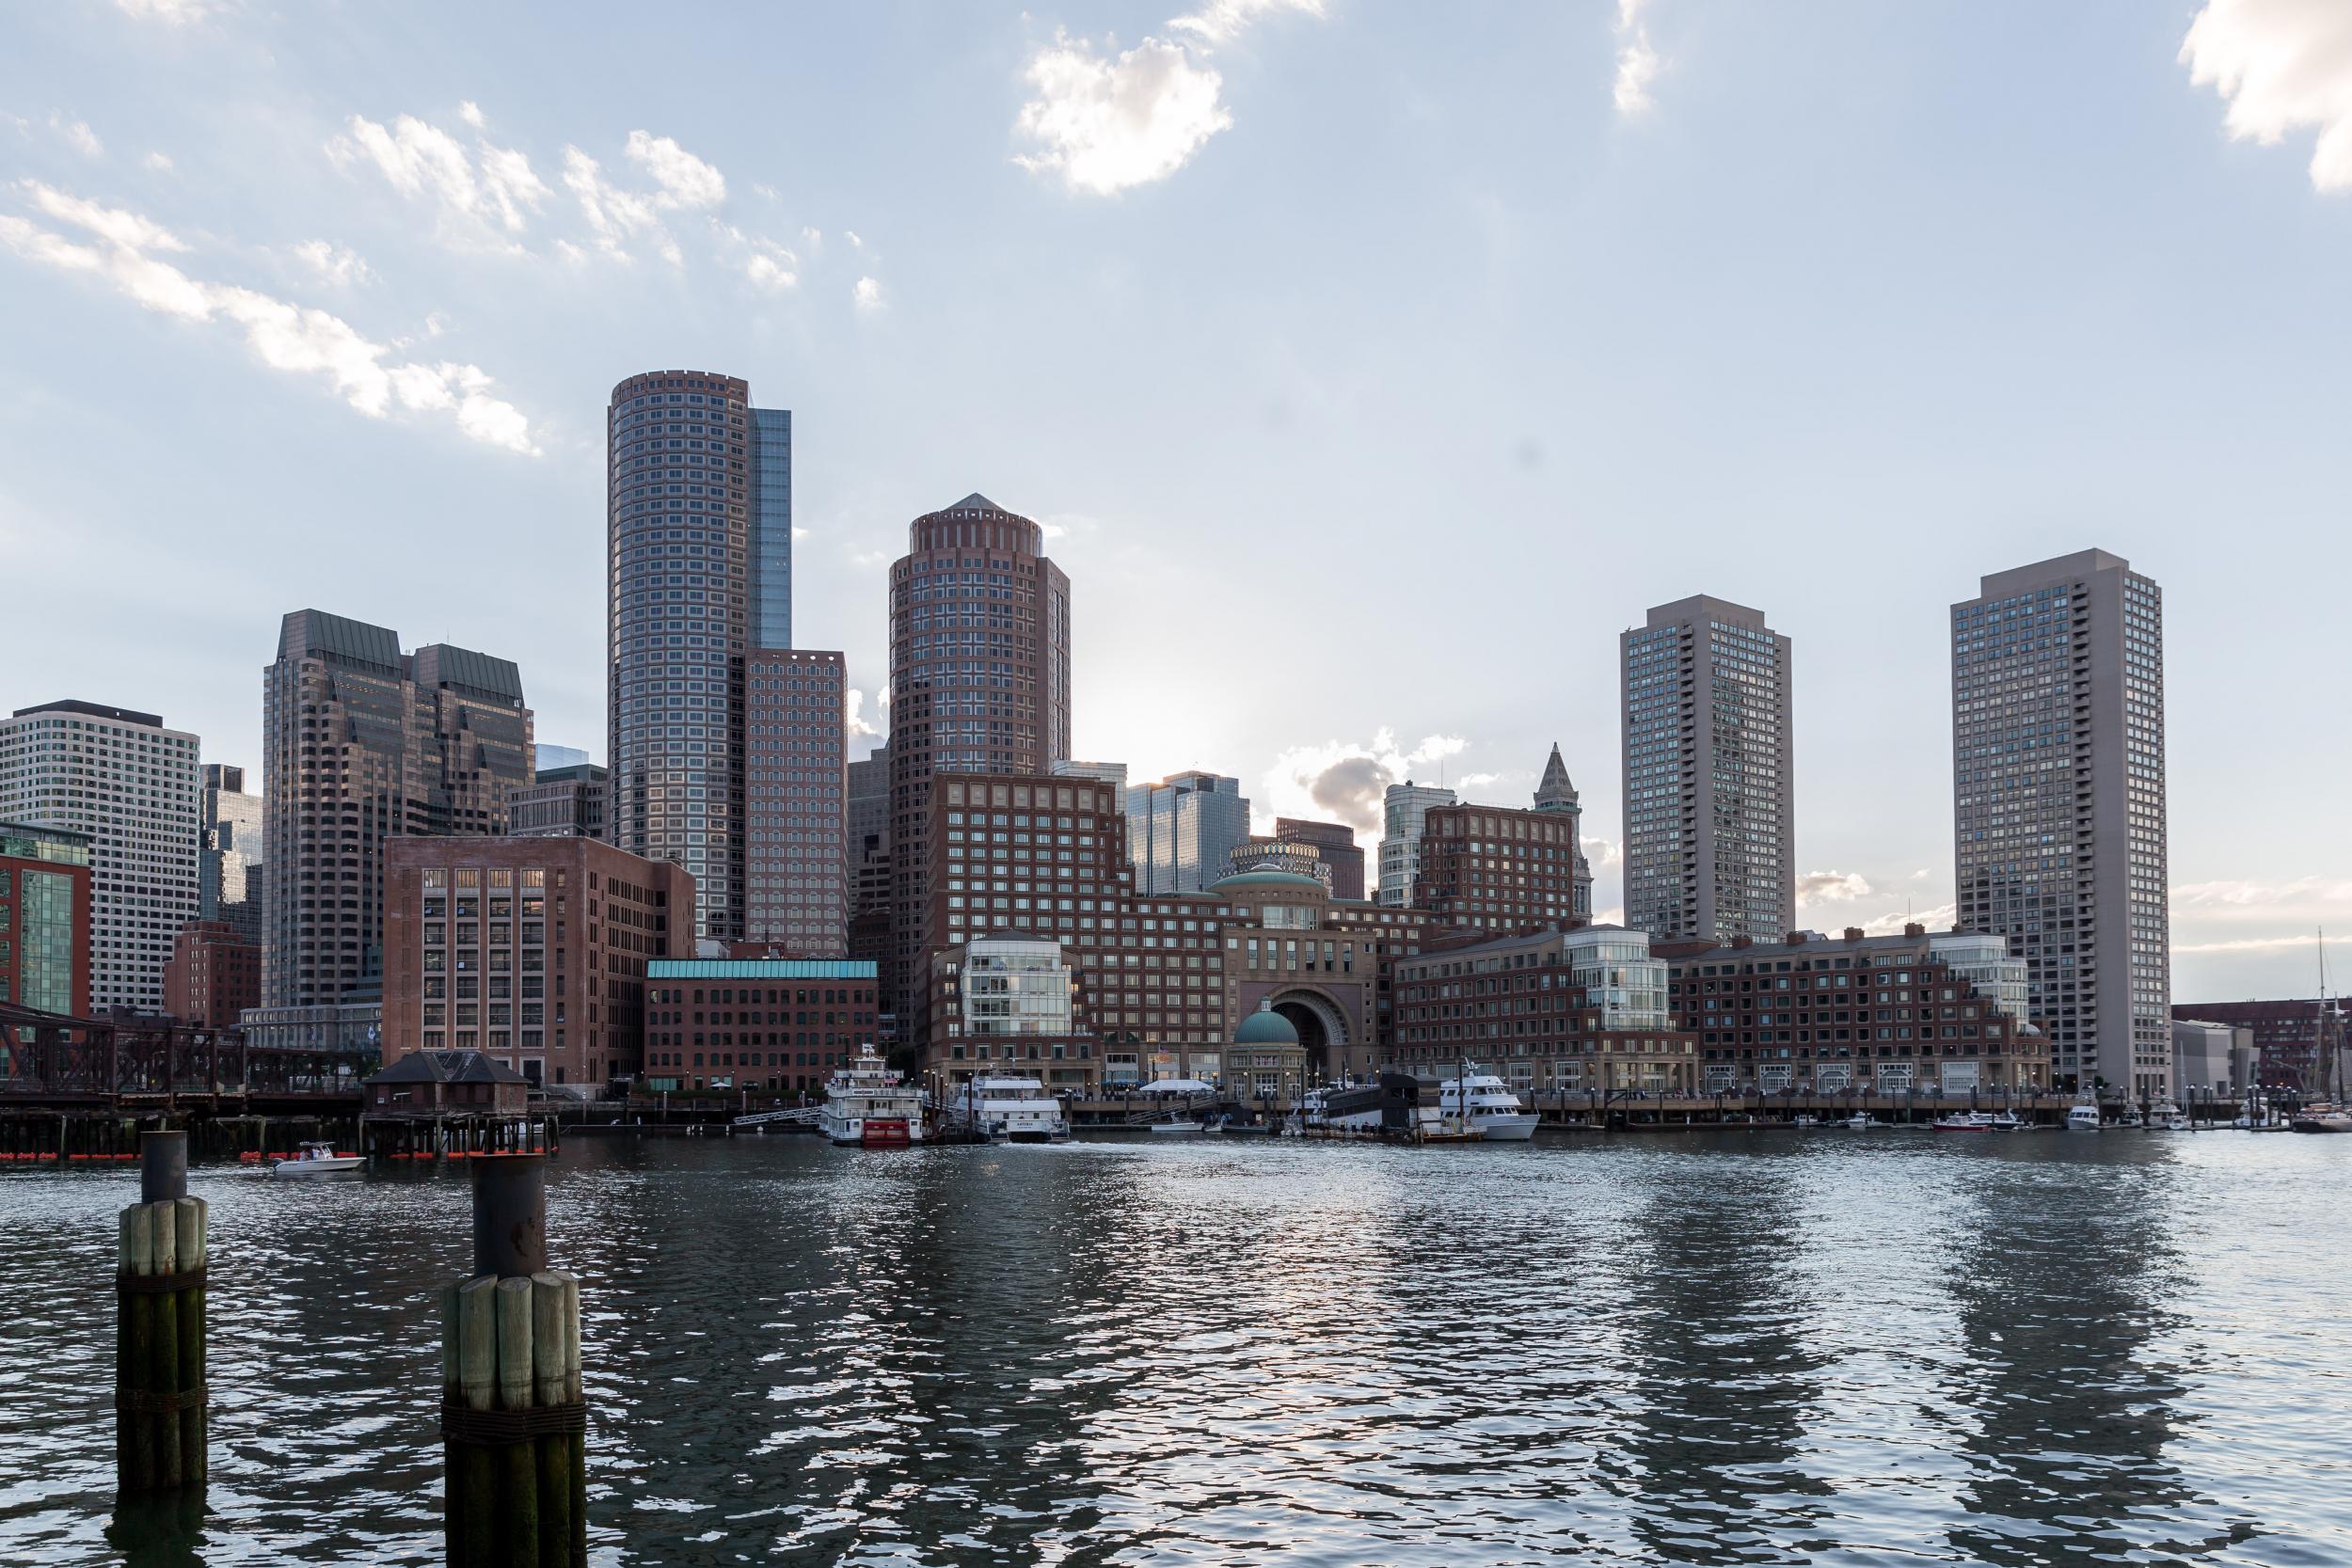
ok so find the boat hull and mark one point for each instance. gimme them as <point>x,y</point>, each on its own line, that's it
<point>1506,1129</point>
<point>318,1167</point>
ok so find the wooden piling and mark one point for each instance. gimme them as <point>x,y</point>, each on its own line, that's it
<point>512,1415</point>
<point>163,1380</point>
<point>190,1217</point>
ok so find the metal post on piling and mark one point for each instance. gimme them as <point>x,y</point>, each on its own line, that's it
<point>513,1423</point>
<point>159,1325</point>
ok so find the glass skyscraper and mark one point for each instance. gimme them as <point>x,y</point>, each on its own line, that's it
<point>699,541</point>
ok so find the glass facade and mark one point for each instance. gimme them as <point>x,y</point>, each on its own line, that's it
<point>772,490</point>
<point>1619,977</point>
<point>1015,988</point>
<point>1180,832</point>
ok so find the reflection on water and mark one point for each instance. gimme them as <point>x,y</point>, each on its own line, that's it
<point>1834,1348</point>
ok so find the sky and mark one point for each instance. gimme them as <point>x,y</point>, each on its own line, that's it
<point>1369,367</point>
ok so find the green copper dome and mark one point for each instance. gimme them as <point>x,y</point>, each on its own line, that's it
<point>1265,1027</point>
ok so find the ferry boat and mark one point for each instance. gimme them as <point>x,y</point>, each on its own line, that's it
<point>316,1160</point>
<point>2082,1116</point>
<point>1492,1108</point>
<point>866,1106</point>
<point>1016,1110</point>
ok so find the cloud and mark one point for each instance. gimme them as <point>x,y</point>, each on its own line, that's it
<point>1937,919</point>
<point>766,264</point>
<point>78,136</point>
<point>483,204</point>
<point>284,336</point>
<point>1637,62</point>
<point>857,722</point>
<point>685,179</point>
<point>2246,945</point>
<point>1105,124</point>
<point>1346,781</point>
<point>614,215</point>
<point>471,112</point>
<point>159,162</point>
<point>334,265</point>
<point>2282,65</point>
<point>173,12</point>
<point>855,244</point>
<point>867,294</point>
<point>1223,21</point>
<point>1602,852</point>
<point>1830,887</point>
<point>2264,896</point>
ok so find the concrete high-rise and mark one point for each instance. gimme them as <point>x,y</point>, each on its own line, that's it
<point>2059,806</point>
<point>131,786</point>
<point>699,557</point>
<point>979,681</point>
<point>796,809</point>
<point>1403,812</point>
<point>1710,775</point>
<point>363,742</point>
<point>228,856</point>
<point>1181,832</point>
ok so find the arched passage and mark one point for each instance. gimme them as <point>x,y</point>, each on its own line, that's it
<point>1322,1031</point>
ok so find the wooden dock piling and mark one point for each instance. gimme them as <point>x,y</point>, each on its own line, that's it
<point>160,1429</point>
<point>513,1420</point>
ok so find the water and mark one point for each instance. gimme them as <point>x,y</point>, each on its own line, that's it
<point>1834,1348</point>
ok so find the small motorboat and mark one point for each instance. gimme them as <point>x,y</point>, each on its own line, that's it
<point>1178,1127</point>
<point>316,1160</point>
<point>2082,1116</point>
<point>1861,1121</point>
<point>2009,1121</point>
<point>1964,1122</point>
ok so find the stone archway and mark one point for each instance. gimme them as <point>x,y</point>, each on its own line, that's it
<point>1322,1031</point>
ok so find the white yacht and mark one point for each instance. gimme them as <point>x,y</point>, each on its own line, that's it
<point>867,1107</point>
<point>2082,1116</point>
<point>1965,1121</point>
<point>1492,1109</point>
<point>2165,1117</point>
<point>1016,1110</point>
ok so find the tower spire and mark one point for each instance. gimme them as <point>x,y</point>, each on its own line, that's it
<point>1556,793</point>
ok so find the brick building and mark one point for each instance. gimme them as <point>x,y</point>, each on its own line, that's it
<point>531,950</point>
<point>560,803</point>
<point>45,918</point>
<point>796,888</point>
<point>1580,1011</point>
<point>1938,1014</point>
<point>1161,981</point>
<point>765,1026</point>
<point>214,975</point>
<point>2286,1034</point>
<point>1494,868</point>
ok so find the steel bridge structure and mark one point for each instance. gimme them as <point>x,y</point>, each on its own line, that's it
<point>54,1061</point>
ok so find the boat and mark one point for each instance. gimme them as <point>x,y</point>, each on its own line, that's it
<point>1860,1121</point>
<point>1964,1122</point>
<point>2009,1121</point>
<point>1012,1109</point>
<point>2128,1117</point>
<point>2082,1116</point>
<point>1177,1127</point>
<point>2165,1117</point>
<point>316,1160</point>
<point>1493,1110</point>
<point>2321,1119</point>
<point>867,1107</point>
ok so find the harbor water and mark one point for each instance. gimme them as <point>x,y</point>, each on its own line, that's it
<point>1825,1347</point>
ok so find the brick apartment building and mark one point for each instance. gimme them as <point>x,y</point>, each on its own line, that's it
<point>763,1026</point>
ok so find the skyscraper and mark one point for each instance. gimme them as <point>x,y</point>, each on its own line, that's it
<point>1340,851</point>
<point>1709,779</point>
<point>131,786</point>
<point>796,783</point>
<point>2059,806</point>
<point>228,855</point>
<point>1404,812</point>
<point>699,541</point>
<point>979,681</point>
<point>363,742</point>
<point>1181,831</point>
